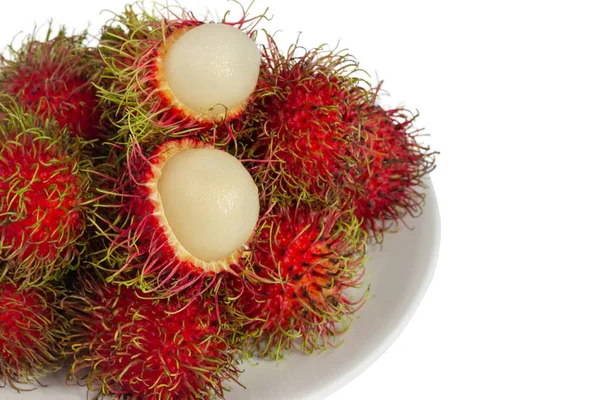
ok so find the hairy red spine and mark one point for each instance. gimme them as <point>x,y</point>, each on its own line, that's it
<point>135,348</point>
<point>306,261</point>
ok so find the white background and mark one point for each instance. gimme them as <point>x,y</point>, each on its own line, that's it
<point>510,93</point>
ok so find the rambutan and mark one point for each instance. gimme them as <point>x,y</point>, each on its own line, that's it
<point>311,139</point>
<point>32,329</point>
<point>170,74</point>
<point>44,196</point>
<point>134,348</point>
<point>394,176</point>
<point>183,211</point>
<point>306,262</point>
<point>55,79</point>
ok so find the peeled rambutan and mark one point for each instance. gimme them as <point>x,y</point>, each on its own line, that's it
<point>306,261</point>
<point>174,75</point>
<point>32,329</point>
<point>394,176</point>
<point>182,212</point>
<point>134,348</point>
<point>55,79</point>
<point>309,102</point>
<point>45,196</point>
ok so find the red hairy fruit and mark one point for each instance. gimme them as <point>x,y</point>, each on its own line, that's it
<point>183,214</point>
<point>44,197</point>
<point>311,136</point>
<point>140,101</point>
<point>55,79</point>
<point>134,348</point>
<point>32,329</point>
<point>394,176</point>
<point>307,261</point>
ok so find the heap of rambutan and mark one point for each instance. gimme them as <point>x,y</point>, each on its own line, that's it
<point>169,74</point>
<point>225,210</point>
<point>318,150</point>
<point>32,328</point>
<point>44,196</point>
<point>134,348</point>
<point>55,79</point>
<point>306,263</point>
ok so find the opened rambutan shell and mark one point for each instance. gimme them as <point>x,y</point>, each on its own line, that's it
<point>306,262</point>
<point>144,84</point>
<point>55,79</point>
<point>32,329</point>
<point>45,196</point>
<point>180,213</point>
<point>129,347</point>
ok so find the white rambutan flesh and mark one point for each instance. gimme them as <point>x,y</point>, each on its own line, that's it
<point>211,70</point>
<point>210,203</point>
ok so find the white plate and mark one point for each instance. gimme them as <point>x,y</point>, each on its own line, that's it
<point>401,272</point>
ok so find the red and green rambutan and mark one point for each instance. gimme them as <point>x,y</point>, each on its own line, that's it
<point>180,214</point>
<point>310,141</point>
<point>135,88</point>
<point>32,329</point>
<point>394,175</point>
<point>54,78</point>
<point>134,348</point>
<point>307,263</point>
<point>45,196</point>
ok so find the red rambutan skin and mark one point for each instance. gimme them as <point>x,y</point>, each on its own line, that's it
<point>49,196</point>
<point>393,178</point>
<point>43,189</point>
<point>55,79</point>
<point>135,348</point>
<point>133,47</point>
<point>31,331</point>
<point>310,106</point>
<point>306,261</point>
